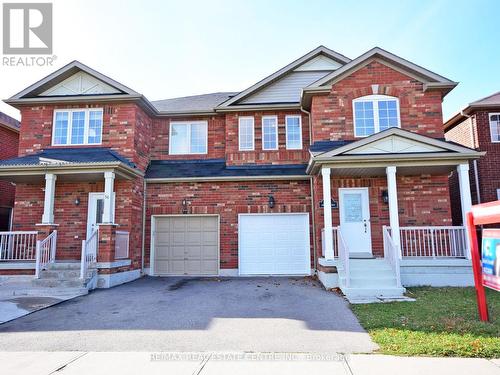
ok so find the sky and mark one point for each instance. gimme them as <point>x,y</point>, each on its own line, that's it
<point>166,49</point>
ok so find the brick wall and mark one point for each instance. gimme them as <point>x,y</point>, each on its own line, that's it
<point>72,219</point>
<point>260,156</point>
<point>423,200</point>
<point>332,115</point>
<point>227,199</point>
<point>9,141</point>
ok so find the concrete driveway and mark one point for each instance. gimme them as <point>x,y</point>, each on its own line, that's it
<point>195,314</point>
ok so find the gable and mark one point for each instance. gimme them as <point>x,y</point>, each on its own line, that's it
<point>286,89</point>
<point>394,145</point>
<point>80,83</point>
<point>320,62</point>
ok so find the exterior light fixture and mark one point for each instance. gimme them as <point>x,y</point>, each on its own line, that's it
<point>271,201</point>
<point>184,206</point>
<point>77,201</point>
<point>385,196</point>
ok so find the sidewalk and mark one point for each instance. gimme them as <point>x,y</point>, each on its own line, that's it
<point>124,363</point>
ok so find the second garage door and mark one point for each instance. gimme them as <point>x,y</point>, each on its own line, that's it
<point>186,245</point>
<point>274,244</point>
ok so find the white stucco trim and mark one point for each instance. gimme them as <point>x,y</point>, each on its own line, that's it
<point>114,264</point>
<point>17,266</point>
<point>228,272</point>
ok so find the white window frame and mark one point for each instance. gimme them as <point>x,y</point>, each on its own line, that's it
<point>498,194</point>
<point>491,129</point>
<point>70,127</point>
<point>300,132</point>
<point>376,123</point>
<point>189,124</point>
<point>262,131</point>
<point>253,133</point>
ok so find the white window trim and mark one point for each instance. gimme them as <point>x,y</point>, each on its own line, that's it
<point>253,133</point>
<point>85,126</point>
<point>375,99</point>
<point>262,130</point>
<point>498,194</point>
<point>300,131</point>
<point>188,123</point>
<point>491,129</point>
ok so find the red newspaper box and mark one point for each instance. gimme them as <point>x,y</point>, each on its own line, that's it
<point>486,266</point>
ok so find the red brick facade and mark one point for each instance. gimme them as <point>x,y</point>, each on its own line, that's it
<point>141,137</point>
<point>420,112</point>
<point>9,141</point>
<point>474,132</point>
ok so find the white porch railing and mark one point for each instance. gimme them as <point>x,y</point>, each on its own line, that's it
<point>19,245</point>
<point>45,252</point>
<point>344,256</point>
<point>392,254</point>
<point>89,253</point>
<point>434,241</point>
<point>335,242</point>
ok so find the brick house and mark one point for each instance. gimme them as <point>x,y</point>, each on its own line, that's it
<point>478,127</point>
<point>9,143</point>
<point>329,166</point>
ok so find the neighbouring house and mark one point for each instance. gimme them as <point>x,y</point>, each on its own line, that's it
<point>329,166</point>
<point>477,127</point>
<point>9,144</point>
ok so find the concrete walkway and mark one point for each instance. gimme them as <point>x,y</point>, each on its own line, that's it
<point>82,363</point>
<point>18,297</point>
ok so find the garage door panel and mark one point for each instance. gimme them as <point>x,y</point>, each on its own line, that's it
<point>186,245</point>
<point>274,244</point>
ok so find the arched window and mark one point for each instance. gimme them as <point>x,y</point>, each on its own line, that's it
<point>374,113</point>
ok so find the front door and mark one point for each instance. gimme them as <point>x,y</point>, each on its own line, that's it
<point>354,215</point>
<point>95,212</point>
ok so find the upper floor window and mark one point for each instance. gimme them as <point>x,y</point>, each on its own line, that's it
<point>246,133</point>
<point>188,137</point>
<point>374,113</point>
<point>495,127</point>
<point>269,132</point>
<point>293,132</point>
<point>77,127</point>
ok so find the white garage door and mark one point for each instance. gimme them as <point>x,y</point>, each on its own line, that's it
<point>274,244</point>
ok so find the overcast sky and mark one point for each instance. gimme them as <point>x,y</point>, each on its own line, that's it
<point>165,49</point>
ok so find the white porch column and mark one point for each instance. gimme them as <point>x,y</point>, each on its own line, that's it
<point>48,204</point>
<point>465,198</point>
<point>393,204</point>
<point>327,213</point>
<point>109,180</point>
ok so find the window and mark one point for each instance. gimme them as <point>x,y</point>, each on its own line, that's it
<point>246,133</point>
<point>375,113</point>
<point>293,132</point>
<point>495,127</point>
<point>498,194</point>
<point>77,127</point>
<point>188,137</point>
<point>269,132</point>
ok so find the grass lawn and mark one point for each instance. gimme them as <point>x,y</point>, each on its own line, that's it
<point>442,322</point>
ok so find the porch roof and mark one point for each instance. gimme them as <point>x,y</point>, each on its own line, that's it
<point>217,169</point>
<point>393,146</point>
<point>67,161</point>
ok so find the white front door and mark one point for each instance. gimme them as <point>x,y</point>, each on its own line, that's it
<point>354,215</point>
<point>95,211</point>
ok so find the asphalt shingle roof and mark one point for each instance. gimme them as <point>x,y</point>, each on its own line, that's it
<point>492,99</point>
<point>218,168</point>
<point>205,102</point>
<point>323,146</point>
<point>70,155</point>
<point>9,121</point>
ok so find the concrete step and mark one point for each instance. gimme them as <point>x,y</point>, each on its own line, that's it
<point>373,282</point>
<point>64,266</point>
<point>363,272</point>
<point>60,274</point>
<point>59,283</point>
<point>387,292</point>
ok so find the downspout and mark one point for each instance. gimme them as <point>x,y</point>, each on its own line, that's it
<point>311,184</point>
<point>474,162</point>
<point>143,226</point>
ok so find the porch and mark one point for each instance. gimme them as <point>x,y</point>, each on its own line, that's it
<point>71,219</point>
<point>380,242</point>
